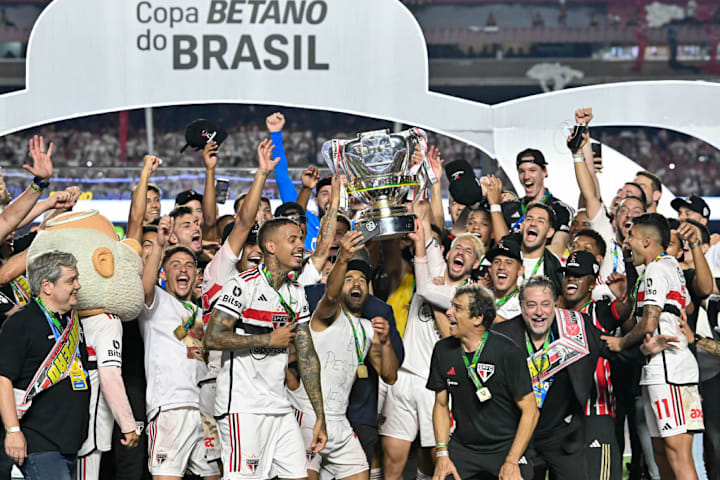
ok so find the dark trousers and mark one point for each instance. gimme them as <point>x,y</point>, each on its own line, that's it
<point>553,455</point>
<point>368,436</point>
<point>49,466</point>
<point>603,459</point>
<point>710,391</point>
<point>472,464</point>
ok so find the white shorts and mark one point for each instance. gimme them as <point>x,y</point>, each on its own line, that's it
<point>342,456</point>
<point>261,446</point>
<point>382,395</point>
<point>408,408</point>
<point>176,444</point>
<point>88,467</point>
<point>672,410</point>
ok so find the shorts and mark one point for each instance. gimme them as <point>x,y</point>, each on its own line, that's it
<point>382,395</point>
<point>261,446</point>
<point>176,444</point>
<point>672,409</point>
<point>342,456</point>
<point>88,467</point>
<point>408,408</point>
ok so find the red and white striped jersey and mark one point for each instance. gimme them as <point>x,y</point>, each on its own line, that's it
<point>663,285</point>
<point>253,380</point>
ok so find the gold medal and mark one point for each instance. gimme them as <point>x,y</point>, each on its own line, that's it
<point>362,371</point>
<point>483,394</point>
<point>180,332</point>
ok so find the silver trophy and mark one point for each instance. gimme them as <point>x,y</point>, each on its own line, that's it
<point>379,173</point>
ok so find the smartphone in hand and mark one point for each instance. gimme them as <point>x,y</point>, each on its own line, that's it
<point>222,187</point>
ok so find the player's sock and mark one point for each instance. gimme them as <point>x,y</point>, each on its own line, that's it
<point>376,474</point>
<point>421,476</point>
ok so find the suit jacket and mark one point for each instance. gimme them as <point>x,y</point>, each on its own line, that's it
<point>362,409</point>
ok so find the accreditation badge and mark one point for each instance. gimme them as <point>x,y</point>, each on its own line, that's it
<point>483,394</point>
<point>78,376</point>
<point>540,389</point>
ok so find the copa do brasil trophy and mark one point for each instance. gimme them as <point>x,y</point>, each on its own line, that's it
<point>379,172</point>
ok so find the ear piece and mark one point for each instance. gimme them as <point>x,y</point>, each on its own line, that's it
<point>104,262</point>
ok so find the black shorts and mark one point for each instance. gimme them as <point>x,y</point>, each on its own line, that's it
<point>472,464</point>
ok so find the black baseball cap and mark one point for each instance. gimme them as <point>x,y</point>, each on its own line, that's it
<point>187,196</point>
<point>252,235</point>
<point>694,203</point>
<point>508,246</point>
<point>536,156</point>
<point>322,183</point>
<point>464,186</point>
<point>202,131</point>
<point>581,263</point>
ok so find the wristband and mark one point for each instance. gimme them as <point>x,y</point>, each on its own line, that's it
<point>578,157</point>
<point>442,453</point>
<point>441,445</point>
<point>40,183</point>
<point>495,208</point>
<point>695,245</point>
<point>12,430</point>
<point>35,187</point>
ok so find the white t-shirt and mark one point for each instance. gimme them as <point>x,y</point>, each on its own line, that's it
<point>220,269</point>
<point>253,380</point>
<point>613,261</point>
<point>511,308</point>
<point>103,337</point>
<point>337,351</point>
<point>663,285</point>
<point>530,264</point>
<point>172,374</point>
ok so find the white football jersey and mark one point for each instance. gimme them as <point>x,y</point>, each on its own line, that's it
<point>337,352</point>
<point>103,337</point>
<point>253,380</point>
<point>663,285</point>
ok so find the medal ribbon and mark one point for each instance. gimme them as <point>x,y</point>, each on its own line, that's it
<point>636,288</point>
<point>191,321</point>
<point>360,349</point>
<point>78,373</point>
<point>292,316</point>
<point>502,301</point>
<point>540,387</point>
<point>471,366</point>
<point>537,266</point>
<point>523,207</point>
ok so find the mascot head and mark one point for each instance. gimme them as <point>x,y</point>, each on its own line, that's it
<point>110,271</point>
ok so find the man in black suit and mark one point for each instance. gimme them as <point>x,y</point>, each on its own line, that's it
<point>363,408</point>
<point>563,347</point>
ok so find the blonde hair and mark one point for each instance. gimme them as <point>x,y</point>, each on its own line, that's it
<point>477,244</point>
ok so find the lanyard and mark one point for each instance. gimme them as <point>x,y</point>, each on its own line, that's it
<point>523,207</point>
<point>360,349</point>
<point>537,266</point>
<point>292,316</point>
<point>640,278</point>
<point>502,301</point>
<point>585,308</point>
<point>543,358</point>
<point>471,366</point>
<point>53,321</point>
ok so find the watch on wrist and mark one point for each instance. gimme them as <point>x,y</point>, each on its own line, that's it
<point>697,338</point>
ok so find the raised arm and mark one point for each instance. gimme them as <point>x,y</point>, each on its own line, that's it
<point>436,206</point>
<point>585,179</point>
<point>209,203</point>
<point>138,203</point>
<point>245,219</point>
<point>309,367</point>
<point>327,307</point>
<point>704,282</point>
<point>42,170</point>
<point>493,187</point>
<point>382,356</point>
<point>327,227</point>
<point>275,124</point>
<point>152,266</point>
<point>309,180</point>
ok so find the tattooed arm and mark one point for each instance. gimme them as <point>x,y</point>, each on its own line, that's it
<point>220,335</point>
<point>309,367</point>
<point>328,224</point>
<point>648,324</point>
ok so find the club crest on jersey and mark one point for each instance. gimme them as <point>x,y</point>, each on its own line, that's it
<point>485,371</point>
<point>309,455</point>
<point>252,462</point>
<point>160,456</point>
<point>279,319</point>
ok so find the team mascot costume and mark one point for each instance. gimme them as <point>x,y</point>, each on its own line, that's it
<point>110,275</point>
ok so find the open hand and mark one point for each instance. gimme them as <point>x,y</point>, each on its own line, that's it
<point>42,163</point>
<point>265,160</point>
<point>310,177</point>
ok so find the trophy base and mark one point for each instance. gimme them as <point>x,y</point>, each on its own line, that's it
<point>390,226</point>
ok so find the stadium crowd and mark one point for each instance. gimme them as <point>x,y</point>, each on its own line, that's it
<point>514,341</point>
